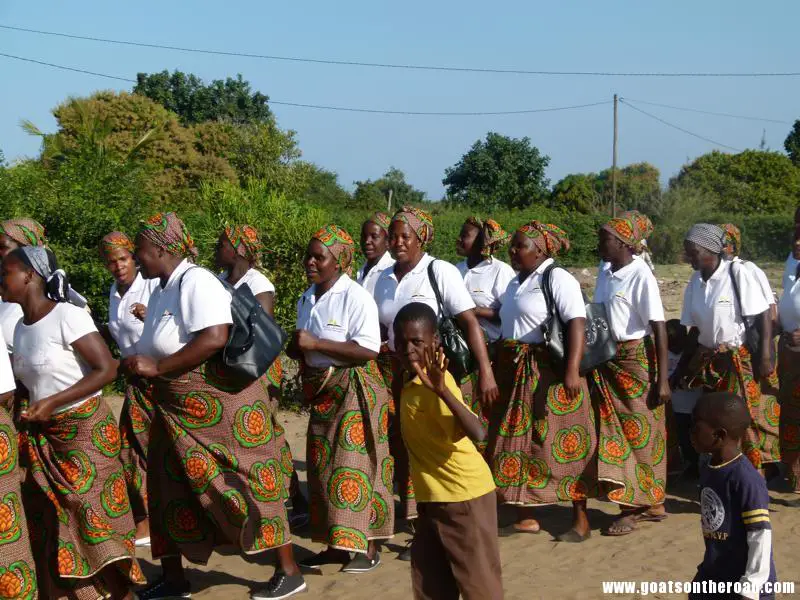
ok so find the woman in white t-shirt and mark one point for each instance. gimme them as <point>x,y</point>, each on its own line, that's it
<point>789,371</point>
<point>375,247</point>
<point>542,443</point>
<point>410,234</point>
<point>16,558</point>
<point>215,471</point>
<point>74,477</point>
<point>716,356</point>
<point>238,254</point>
<point>337,341</point>
<point>633,387</point>
<point>127,306</point>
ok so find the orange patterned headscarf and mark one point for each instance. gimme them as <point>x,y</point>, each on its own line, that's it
<point>641,220</point>
<point>26,232</point>
<point>550,239</point>
<point>420,221</point>
<point>116,240</point>
<point>627,231</point>
<point>245,242</point>
<point>339,243</point>
<point>380,219</point>
<point>733,239</point>
<point>494,235</point>
<point>167,231</point>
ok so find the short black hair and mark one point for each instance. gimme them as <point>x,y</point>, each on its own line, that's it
<point>724,410</point>
<point>676,330</point>
<point>416,312</point>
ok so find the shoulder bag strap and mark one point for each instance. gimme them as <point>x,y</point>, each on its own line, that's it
<point>547,288</point>
<point>735,284</point>
<point>435,287</point>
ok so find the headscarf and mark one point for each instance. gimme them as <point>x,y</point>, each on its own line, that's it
<point>626,230</point>
<point>339,243</point>
<point>494,235</point>
<point>244,240</point>
<point>643,222</point>
<point>707,236</point>
<point>167,231</point>
<point>57,286</point>
<point>114,241</point>
<point>26,232</point>
<point>732,244</point>
<point>420,221</point>
<point>380,219</point>
<point>548,238</point>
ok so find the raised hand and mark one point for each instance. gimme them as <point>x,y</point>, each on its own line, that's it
<point>432,370</point>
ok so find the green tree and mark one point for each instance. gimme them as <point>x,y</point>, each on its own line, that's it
<point>577,192</point>
<point>195,102</point>
<point>751,182</point>
<point>373,194</point>
<point>500,171</point>
<point>638,188</point>
<point>792,144</point>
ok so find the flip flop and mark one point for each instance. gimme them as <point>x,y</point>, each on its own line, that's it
<point>622,526</point>
<point>648,517</point>
<point>514,530</point>
<point>573,537</point>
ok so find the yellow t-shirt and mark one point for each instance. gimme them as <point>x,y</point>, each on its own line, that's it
<point>445,465</point>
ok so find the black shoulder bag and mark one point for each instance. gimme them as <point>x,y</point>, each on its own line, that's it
<point>255,340</point>
<point>600,345</point>
<point>452,338</point>
<point>752,332</point>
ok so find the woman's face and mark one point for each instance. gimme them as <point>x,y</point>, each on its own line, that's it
<point>149,256</point>
<point>698,256</point>
<point>15,279</point>
<point>121,265</point>
<point>6,245</point>
<point>320,264</point>
<point>404,243</point>
<point>374,241</point>
<point>467,239</point>
<point>610,247</point>
<point>524,254</point>
<point>225,254</point>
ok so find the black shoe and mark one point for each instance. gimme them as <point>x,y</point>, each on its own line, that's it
<point>405,555</point>
<point>298,520</point>
<point>165,590</point>
<point>319,560</point>
<point>280,586</point>
<point>361,563</point>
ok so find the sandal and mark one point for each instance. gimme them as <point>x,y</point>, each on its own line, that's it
<point>573,537</point>
<point>650,517</point>
<point>624,525</point>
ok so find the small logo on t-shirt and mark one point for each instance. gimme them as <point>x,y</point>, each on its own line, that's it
<point>712,511</point>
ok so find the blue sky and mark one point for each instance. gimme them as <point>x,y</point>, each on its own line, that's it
<point>578,35</point>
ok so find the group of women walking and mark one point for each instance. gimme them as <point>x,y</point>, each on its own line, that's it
<point>198,459</point>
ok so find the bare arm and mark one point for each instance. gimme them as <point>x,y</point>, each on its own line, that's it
<point>663,392</point>
<point>765,345</point>
<point>267,302</point>
<point>488,313</point>
<point>576,340</point>
<point>93,351</point>
<point>203,346</point>
<point>477,345</point>
<point>349,352</point>
<point>689,350</point>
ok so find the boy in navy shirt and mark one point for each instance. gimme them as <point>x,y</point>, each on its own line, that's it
<point>734,504</point>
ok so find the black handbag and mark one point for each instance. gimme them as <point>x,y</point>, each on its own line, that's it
<point>600,345</point>
<point>451,337</point>
<point>255,340</point>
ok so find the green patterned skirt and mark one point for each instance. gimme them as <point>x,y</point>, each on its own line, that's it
<point>633,443</point>
<point>75,492</point>
<point>134,429</point>
<point>350,471</point>
<point>731,370</point>
<point>217,470</point>
<point>543,445</point>
<point>789,396</point>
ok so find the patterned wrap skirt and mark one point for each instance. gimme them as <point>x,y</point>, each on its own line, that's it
<point>17,567</point>
<point>731,370</point>
<point>75,491</point>
<point>217,472</point>
<point>275,381</point>
<point>789,396</point>
<point>393,375</point>
<point>632,464</point>
<point>134,429</point>
<point>350,470</point>
<point>543,445</point>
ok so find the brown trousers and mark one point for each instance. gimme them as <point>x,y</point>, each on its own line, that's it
<point>455,551</point>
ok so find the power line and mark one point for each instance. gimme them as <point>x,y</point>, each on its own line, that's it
<point>352,63</point>
<point>668,124</point>
<point>709,112</point>
<point>340,108</point>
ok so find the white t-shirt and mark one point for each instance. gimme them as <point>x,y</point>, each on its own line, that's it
<point>10,315</point>
<point>789,307</point>
<point>369,280</point>
<point>44,360</point>
<point>178,311</point>
<point>524,308</point>
<point>345,313</point>
<point>7,383</point>
<point>761,278</point>
<point>711,305</point>
<point>255,280</point>
<point>415,286</point>
<point>123,326</point>
<point>683,401</point>
<point>631,298</point>
<point>486,283</point>
<point>790,271</point>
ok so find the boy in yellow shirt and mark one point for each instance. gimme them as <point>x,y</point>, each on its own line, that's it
<point>455,545</point>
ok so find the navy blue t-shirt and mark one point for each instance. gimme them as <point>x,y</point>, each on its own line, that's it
<point>734,506</point>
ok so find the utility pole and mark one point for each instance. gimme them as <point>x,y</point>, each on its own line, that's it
<point>389,202</point>
<point>614,165</point>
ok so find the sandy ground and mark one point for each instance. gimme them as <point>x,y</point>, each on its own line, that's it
<point>534,566</point>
